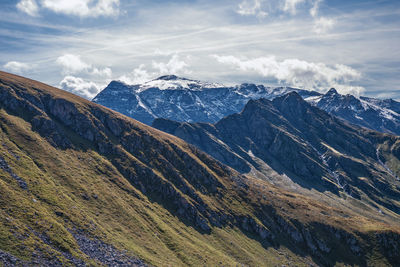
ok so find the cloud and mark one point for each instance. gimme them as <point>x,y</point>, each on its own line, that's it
<point>106,72</point>
<point>137,76</point>
<point>81,8</point>
<point>83,85</point>
<point>143,74</point>
<point>73,64</point>
<point>80,87</point>
<point>29,7</point>
<point>251,8</point>
<point>299,73</point>
<point>174,66</point>
<point>17,67</point>
<point>314,9</point>
<point>290,6</point>
<point>322,25</point>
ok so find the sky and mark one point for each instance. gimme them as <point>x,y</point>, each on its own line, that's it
<point>81,45</point>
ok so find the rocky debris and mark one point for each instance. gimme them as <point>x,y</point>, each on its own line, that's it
<point>11,152</point>
<point>9,260</point>
<point>5,167</point>
<point>103,252</point>
<point>38,259</point>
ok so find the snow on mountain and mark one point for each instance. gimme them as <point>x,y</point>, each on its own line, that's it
<point>172,82</point>
<point>187,100</point>
<point>380,115</point>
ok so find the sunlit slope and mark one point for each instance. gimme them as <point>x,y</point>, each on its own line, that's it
<point>75,177</point>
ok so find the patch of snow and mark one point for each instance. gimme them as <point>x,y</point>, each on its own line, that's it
<point>141,104</point>
<point>313,100</point>
<point>178,84</point>
<point>385,166</point>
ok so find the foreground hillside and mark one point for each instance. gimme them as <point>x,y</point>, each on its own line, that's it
<point>83,185</point>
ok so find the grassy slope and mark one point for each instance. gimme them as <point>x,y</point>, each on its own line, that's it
<point>125,216</point>
<point>121,214</point>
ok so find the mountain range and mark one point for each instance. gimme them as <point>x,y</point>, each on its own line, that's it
<point>186,100</point>
<point>289,137</point>
<point>280,183</point>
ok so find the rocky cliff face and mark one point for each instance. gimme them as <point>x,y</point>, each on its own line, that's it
<point>296,139</point>
<point>83,185</point>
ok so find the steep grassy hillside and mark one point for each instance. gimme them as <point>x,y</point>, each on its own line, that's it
<point>81,184</point>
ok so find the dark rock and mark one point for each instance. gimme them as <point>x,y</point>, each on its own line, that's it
<point>5,167</point>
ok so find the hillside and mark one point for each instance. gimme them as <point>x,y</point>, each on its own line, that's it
<point>83,185</point>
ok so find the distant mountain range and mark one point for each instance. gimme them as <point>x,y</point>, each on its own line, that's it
<point>186,100</point>
<point>182,99</point>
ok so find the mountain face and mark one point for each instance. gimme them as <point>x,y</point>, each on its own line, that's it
<point>185,100</point>
<point>379,115</point>
<point>182,99</point>
<point>290,137</point>
<point>81,185</point>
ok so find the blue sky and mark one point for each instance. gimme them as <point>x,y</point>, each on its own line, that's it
<point>81,45</point>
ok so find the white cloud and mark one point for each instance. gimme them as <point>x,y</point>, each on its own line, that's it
<point>17,67</point>
<point>137,76</point>
<point>251,8</point>
<point>290,6</point>
<point>29,7</point>
<point>348,89</point>
<point>106,72</point>
<point>314,8</point>
<point>299,73</point>
<point>174,66</point>
<point>73,64</point>
<point>162,52</point>
<point>81,8</point>
<point>322,25</point>
<point>80,87</point>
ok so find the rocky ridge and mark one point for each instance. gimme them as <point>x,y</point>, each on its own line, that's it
<point>293,138</point>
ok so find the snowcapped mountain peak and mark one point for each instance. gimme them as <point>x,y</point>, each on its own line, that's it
<point>170,78</point>
<point>173,82</point>
<point>332,91</point>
